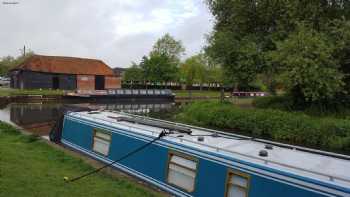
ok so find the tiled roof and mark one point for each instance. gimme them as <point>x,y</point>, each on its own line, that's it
<point>65,65</point>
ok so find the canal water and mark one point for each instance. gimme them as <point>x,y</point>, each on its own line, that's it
<point>39,118</point>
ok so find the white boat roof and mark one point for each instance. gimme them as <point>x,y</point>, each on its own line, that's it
<point>328,167</point>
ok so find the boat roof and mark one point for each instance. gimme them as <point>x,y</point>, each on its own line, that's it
<point>325,166</point>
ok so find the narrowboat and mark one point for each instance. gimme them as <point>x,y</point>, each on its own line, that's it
<point>190,161</point>
<point>120,94</point>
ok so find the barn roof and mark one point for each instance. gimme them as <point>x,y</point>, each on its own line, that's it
<point>65,65</point>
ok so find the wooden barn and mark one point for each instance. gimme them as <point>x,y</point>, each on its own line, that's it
<point>66,73</point>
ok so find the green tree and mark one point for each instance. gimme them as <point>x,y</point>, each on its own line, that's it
<point>240,58</point>
<point>187,74</point>
<point>215,75</point>
<point>308,66</point>
<point>168,46</point>
<point>134,74</point>
<point>251,38</point>
<point>200,69</point>
<point>192,71</point>
<point>8,62</point>
<point>159,69</point>
<point>339,33</point>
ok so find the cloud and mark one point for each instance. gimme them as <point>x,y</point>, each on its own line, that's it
<point>117,32</point>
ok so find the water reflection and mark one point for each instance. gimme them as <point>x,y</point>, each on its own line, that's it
<point>40,117</point>
<point>35,118</point>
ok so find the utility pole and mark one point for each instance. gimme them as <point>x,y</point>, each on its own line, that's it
<point>23,50</point>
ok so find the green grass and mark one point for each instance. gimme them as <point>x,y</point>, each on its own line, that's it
<point>198,93</point>
<point>31,168</point>
<point>16,92</point>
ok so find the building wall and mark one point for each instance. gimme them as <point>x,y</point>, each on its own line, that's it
<point>112,82</point>
<point>67,82</point>
<point>36,80</point>
<point>85,82</point>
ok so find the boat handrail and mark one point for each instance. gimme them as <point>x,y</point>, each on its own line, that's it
<point>113,122</point>
<point>220,150</point>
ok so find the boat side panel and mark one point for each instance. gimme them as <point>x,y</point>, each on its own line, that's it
<point>211,181</point>
<point>211,178</point>
<point>77,133</point>
<point>150,160</point>
<point>263,187</point>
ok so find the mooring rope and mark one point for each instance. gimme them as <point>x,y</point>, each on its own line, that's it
<point>162,134</point>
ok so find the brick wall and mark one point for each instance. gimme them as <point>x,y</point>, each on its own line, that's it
<point>112,82</point>
<point>85,82</point>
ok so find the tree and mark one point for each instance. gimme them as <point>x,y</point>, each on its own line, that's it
<point>308,66</point>
<point>262,37</point>
<point>169,47</point>
<point>6,64</point>
<point>9,62</point>
<point>192,71</point>
<point>134,74</point>
<point>158,68</point>
<point>339,33</point>
<point>240,58</point>
<point>200,69</point>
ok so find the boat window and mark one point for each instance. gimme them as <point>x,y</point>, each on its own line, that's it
<point>120,91</point>
<point>182,171</point>
<point>151,92</point>
<point>111,92</point>
<point>237,184</point>
<point>102,141</point>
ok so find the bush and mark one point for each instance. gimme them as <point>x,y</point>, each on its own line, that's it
<point>338,107</point>
<point>274,102</point>
<point>287,127</point>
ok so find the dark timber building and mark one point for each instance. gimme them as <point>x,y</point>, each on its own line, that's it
<point>67,73</point>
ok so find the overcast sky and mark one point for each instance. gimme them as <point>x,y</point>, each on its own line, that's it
<point>115,31</point>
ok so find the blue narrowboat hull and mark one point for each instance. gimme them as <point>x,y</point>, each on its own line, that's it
<point>150,165</point>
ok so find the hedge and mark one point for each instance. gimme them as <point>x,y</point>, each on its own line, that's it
<point>339,107</point>
<point>287,127</point>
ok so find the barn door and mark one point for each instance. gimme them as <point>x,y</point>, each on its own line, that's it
<point>99,82</point>
<point>55,83</point>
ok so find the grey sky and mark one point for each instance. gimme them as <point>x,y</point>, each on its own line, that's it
<point>117,32</point>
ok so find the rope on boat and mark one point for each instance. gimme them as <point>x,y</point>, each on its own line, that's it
<point>162,134</point>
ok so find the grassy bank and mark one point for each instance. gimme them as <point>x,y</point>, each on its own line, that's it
<point>16,92</point>
<point>30,167</point>
<point>294,128</point>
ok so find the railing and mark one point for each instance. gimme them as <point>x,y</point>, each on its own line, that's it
<point>215,148</point>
